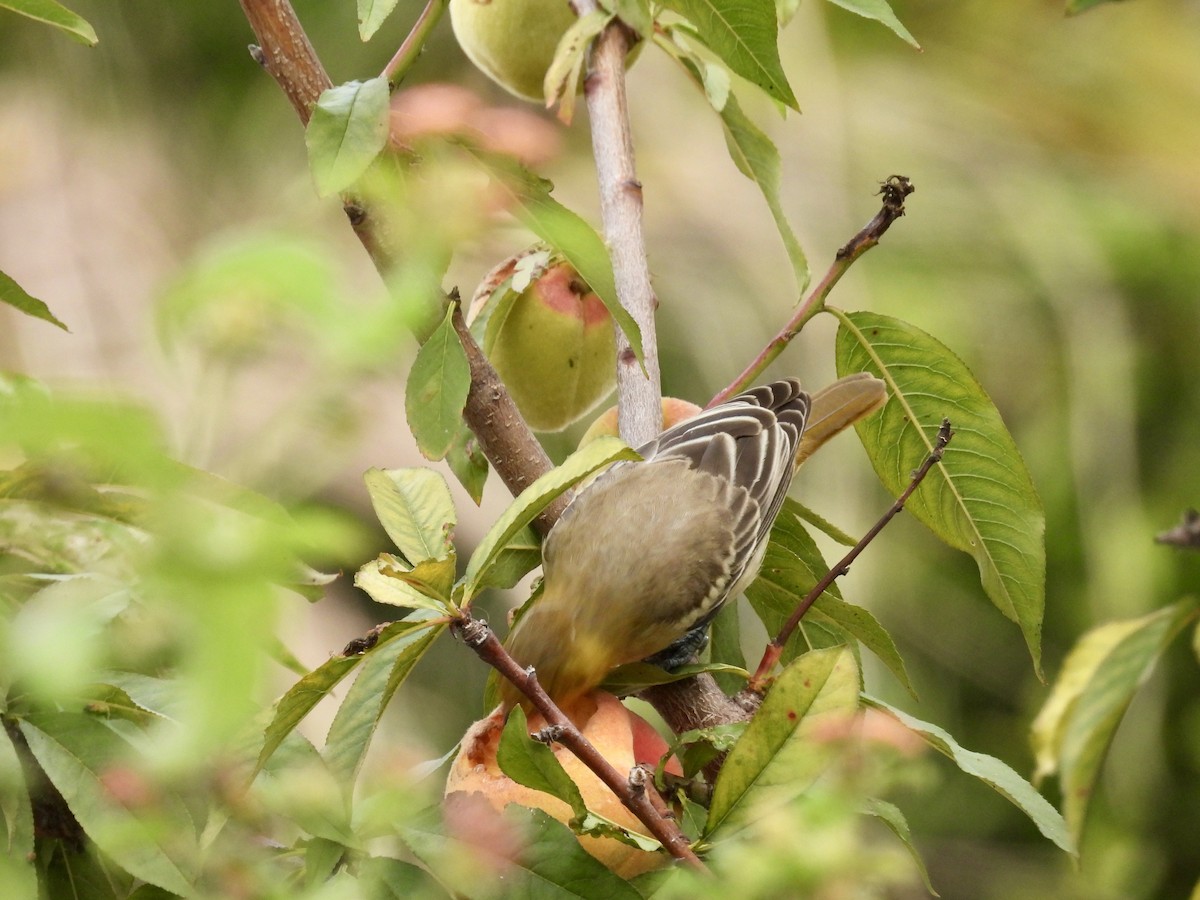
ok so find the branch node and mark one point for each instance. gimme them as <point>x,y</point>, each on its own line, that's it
<point>256,54</point>
<point>551,734</point>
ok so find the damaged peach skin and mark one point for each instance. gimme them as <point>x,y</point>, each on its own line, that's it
<point>622,737</point>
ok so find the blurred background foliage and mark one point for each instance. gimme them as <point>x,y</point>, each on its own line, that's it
<point>1053,242</point>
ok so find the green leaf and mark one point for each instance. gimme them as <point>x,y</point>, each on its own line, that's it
<point>1074,7</point>
<point>980,499</point>
<point>415,509</point>
<point>550,865</point>
<point>792,566</point>
<point>384,669</point>
<point>388,579</point>
<point>16,816</point>
<point>437,389</point>
<point>520,556</point>
<point>881,12</point>
<point>468,463</point>
<point>782,753</point>
<point>992,772</point>
<point>300,699</point>
<point>383,878</point>
<point>14,295</point>
<point>534,765</point>
<point>725,647</point>
<point>891,816</point>
<point>372,14</point>
<point>67,874</point>
<point>745,35</point>
<point>1076,725</point>
<point>580,464</point>
<point>634,13</point>
<point>566,68</point>
<point>819,522</point>
<point>569,234</point>
<point>348,129</point>
<point>156,844</point>
<point>57,15</point>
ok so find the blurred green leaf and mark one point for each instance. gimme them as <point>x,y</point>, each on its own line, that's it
<point>468,463</point>
<point>416,510</point>
<point>781,753</point>
<point>158,696</point>
<point>16,817</point>
<point>57,15</point>
<point>437,388</point>
<point>387,579</point>
<point>156,843</point>
<point>348,129</point>
<point>791,567</point>
<point>300,699</point>
<point>634,13</point>
<point>534,765</point>
<point>1074,7</point>
<point>384,669</point>
<point>881,12</point>
<point>372,14</point>
<point>567,233</point>
<point>891,816</point>
<point>745,35</point>
<point>384,878</point>
<point>980,499</point>
<point>525,508</point>
<point>15,296</point>
<point>68,873</point>
<point>1075,727</point>
<point>992,772</point>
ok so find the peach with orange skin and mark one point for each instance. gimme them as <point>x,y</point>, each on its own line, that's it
<point>674,411</point>
<point>622,737</point>
<point>553,345</point>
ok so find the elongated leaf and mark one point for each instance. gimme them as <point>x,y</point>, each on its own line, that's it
<point>388,579</point>
<point>348,129</point>
<point>791,568</point>
<point>533,500</point>
<point>16,839</point>
<point>415,509</point>
<point>993,772</point>
<point>57,15</point>
<point>981,499</point>
<point>300,699</point>
<point>569,234</point>
<point>383,878</point>
<point>66,874</point>
<point>15,296</point>
<point>156,844</point>
<point>1091,717</point>
<point>384,669</point>
<point>1074,7</point>
<point>520,556</point>
<point>891,816</point>
<point>881,12</point>
<point>781,754</point>
<point>437,388</point>
<point>551,864</point>
<point>468,463</point>
<point>745,35</point>
<point>534,765</point>
<point>372,14</point>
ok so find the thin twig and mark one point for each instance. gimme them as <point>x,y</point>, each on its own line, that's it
<point>286,53</point>
<point>638,796</point>
<point>894,191</point>
<point>775,648</point>
<point>414,43</point>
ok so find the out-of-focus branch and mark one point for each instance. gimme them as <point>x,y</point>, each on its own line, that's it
<point>285,52</point>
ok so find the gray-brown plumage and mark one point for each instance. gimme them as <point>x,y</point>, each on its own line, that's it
<point>651,549</point>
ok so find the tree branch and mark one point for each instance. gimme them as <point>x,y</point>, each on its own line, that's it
<point>894,190</point>
<point>638,795</point>
<point>775,648</point>
<point>286,53</point>
<point>414,43</point>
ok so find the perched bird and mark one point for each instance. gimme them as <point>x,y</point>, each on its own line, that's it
<point>650,550</point>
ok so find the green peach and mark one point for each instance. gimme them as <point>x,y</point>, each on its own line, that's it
<point>553,345</point>
<point>512,41</point>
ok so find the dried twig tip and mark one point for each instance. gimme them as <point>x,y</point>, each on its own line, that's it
<point>894,190</point>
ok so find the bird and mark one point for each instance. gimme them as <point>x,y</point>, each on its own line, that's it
<point>651,549</point>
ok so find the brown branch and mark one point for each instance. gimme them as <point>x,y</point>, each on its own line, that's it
<point>894,191</point>
<point>638,795</point>
<point>286,53</point>
<point>775,648</point>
